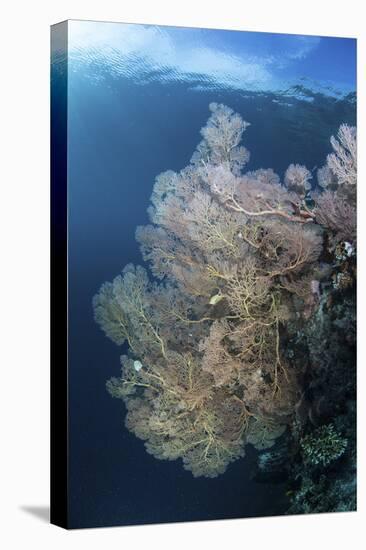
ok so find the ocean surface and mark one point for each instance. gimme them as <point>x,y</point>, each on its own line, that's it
<point>129,120</point>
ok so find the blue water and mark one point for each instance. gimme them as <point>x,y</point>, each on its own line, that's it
<point>125,126</point>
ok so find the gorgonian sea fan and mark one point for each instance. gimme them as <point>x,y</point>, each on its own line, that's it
<point>234,256</point>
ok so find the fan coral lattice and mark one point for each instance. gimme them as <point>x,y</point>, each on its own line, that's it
<point>236,255</point>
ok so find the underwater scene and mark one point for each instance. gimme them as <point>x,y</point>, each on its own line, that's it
<point>212,273</point>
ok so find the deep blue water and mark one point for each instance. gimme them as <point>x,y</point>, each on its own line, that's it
<point>122,133</point>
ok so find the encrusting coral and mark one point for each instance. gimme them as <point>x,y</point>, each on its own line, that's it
<point>234,257</point>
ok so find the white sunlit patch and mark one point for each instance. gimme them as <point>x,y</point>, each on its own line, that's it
<point>137,365</point>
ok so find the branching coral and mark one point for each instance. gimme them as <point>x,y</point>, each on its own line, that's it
<point>343,161</point>
<point>236,255</point>
<point>336,208</point>
<point>297,178</point>
<point>323,446</point>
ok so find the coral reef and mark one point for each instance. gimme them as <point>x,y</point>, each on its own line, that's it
<point>238,271</point>
<point>324,477</point>
<point>323,445</point>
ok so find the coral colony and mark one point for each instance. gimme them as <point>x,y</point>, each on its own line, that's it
<point>248,273</point>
